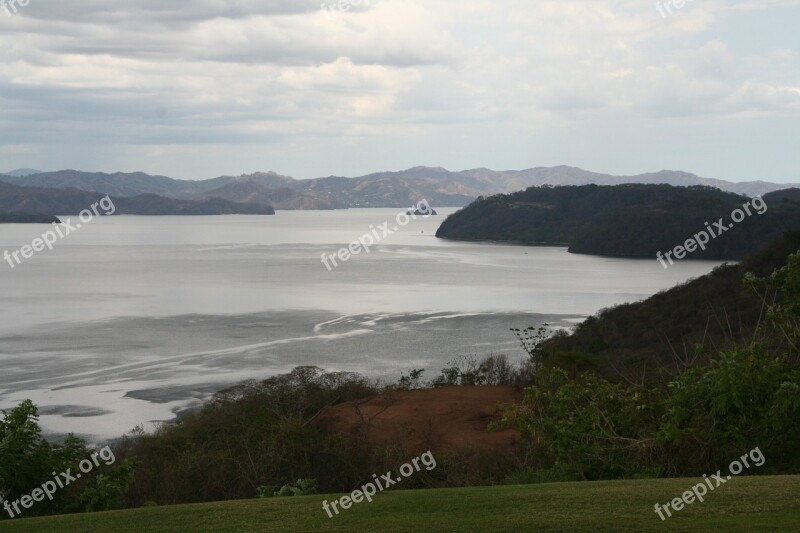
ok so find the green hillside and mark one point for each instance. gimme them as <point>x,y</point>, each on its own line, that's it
<point>625,220</point>
<point>743,504</point>
<point>716,310</point>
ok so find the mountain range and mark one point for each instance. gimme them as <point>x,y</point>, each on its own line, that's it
<point>23,172</point>
<point>438,186</point>
<point>38,204</point>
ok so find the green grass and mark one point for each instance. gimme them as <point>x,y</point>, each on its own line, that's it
<point>768,503</point>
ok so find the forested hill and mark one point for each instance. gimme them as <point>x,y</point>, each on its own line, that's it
<point>784,195</point>
<point>622,221</point>
<point>661,335</point>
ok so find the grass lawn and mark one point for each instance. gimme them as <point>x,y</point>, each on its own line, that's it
<point>769,503</point>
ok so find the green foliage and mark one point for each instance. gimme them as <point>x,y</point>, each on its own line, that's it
<point>267,491</point>
<point>654,340</point>
<point>255,437</point>
<point>589,427</point>
<point>27,461</point>
<point>302,487</point>
<point>750,393</point>
<point>784,311</point>
<point>746,397</point>
<point>105,491</point>
<point>622,221</point>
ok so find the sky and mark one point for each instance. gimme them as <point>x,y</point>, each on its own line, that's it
<point>198,89</point>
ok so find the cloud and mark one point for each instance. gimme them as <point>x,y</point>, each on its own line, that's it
<point>288,74</point>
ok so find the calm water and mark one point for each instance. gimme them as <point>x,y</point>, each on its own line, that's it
<point>131,319</point>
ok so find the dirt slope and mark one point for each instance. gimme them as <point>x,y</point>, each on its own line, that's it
<point>445,419</point>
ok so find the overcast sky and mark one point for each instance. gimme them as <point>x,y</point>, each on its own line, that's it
<point>197,89</point>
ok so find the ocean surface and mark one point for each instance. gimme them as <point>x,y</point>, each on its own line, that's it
<point>129,320</point>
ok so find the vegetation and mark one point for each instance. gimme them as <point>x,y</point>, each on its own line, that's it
<point>620,221</point>
<point>262,439</point>
<point>767,503</point>
<point>593,410</point>
<point>27,218</point>
<point>690,324</point>
<point>27,460</point>
<point>785,195</point>
<point>251,439</point>
<point>590,427</point>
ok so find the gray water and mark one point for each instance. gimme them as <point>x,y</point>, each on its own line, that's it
<point>131,319</point>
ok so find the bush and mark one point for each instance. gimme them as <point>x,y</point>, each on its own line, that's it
<point>497,370</point>
<point>248,439</point>
<point>27,461</point>
<point>745,398</point>
<point>493,370</point>
<point>412,381</point>
<point>303,487</point>
<point>464,372</point>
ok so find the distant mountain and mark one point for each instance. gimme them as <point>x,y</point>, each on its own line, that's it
<point>23,172</point>
<point>623,221</point>
<point>44,201</point>
<point>439,186</point>
<point>262,188</point>
<point>564,175</point>
<point>117,184</point>
<point>267,190</point>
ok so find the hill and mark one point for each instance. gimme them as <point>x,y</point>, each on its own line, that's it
<point>279,191</point>
<point>657,336</point>
<point>282,197</point>
<point>448,418</point>
<point>439,186</point>
<point>784,195</point>
<point>23,172</point>
<point>566,175</point>
<point>637,221</point>
<point>44,201</point>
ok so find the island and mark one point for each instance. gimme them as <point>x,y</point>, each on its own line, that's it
<point>28,218</point>
<point>627,221</point>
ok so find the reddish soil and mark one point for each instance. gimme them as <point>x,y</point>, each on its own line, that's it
<point>445,419</point>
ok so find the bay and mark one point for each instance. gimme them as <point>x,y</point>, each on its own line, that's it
<point>130,320</point>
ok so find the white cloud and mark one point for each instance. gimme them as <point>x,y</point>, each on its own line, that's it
<point>165,79</point>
